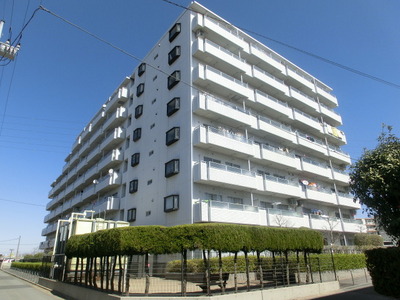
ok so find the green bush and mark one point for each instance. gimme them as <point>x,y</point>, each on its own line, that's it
<point>365,239</point>
<point>383,265</point>
<point>32,266</point>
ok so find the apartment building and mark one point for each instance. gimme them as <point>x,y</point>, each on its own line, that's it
<point>212,126</point>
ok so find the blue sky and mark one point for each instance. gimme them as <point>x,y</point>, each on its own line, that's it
<point>62,76</point>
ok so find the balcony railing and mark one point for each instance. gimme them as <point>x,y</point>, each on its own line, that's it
<point>226,76</point>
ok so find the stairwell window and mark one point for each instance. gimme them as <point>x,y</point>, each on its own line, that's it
<point>171,203</point>
<point>135,159</point>
<point>133,186</point>
<point>172,168</point>
<point>174,54</point>
<point>172,136</point>
<point>131,215</point>
<point>141,69</point>
<point>139,89</point>
<point>174,79</point>
<point>138,111</point>
<point>137,133</point>
<point>174,31</point>
<point>173,106</point>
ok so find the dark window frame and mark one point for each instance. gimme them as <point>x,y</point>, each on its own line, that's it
<point>133,186</point>
<point>174,54</point>
<point>174,79</point>
<point>174,31</point>
<point>137,134</point>
<point>135,159</point>
<point>138,111</point>
<point>171,168</point>
<point>173,135</point>
<point>131,215</point>
<point>139,90</point>
<point>175,203</point>
<point>141,69</point>
<point>173,106</point>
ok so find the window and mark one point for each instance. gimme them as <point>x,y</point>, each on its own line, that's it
<point>213,197</point>
<point>149,181</point>
<point>152,125</point>
<point>172,168</point>
<point>151,152</point>
<point>235,200</point>
<point>174,79</point>
<point>137,133</point>
<point>141,69</point>
<point>138,111</point>
<point>131,216</point>
<point>155,56</point>
<point>139,89</point>
<point>133,186</point>
<point>174,54</point>
<point>148,213</point>
<point>172,136</point>
<point>135,159</point>
<point>153,101</point>
<point>209,159</point>
<point>171,203</point>
<point>173,106</point>
<point>174,31</point>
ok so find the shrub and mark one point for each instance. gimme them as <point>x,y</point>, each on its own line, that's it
<point>365,239</point>
<point>383,265</point>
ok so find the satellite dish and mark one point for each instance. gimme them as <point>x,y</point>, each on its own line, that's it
<point>110,171</point>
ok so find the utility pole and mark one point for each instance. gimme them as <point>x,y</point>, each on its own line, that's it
<point>16,254</point>
<point>6,49</point>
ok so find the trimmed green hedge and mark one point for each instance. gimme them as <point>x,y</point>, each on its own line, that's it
<point>211,236</point>
<point>32,266</point>
<point>384,267</point>
<point>342,262</point>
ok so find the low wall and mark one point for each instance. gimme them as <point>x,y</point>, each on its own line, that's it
<point>285,293</point>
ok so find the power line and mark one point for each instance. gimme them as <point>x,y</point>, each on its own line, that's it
<point>326,60</point>
<point>20,202</point>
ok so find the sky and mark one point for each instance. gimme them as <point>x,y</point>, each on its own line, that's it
<point>62,76</point>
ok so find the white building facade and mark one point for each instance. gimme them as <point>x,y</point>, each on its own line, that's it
<point>212,126</point>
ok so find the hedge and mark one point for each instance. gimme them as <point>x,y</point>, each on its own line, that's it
<point>365,239</point>
<point>342,262</point>
<point>384,267</point>
<point>211,236</point>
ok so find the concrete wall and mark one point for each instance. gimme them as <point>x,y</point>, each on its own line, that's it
<point>286,293</point>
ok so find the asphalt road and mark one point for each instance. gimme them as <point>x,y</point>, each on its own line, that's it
<point>13,288</point>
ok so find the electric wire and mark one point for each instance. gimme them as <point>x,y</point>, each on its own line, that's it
<point>20,202</point>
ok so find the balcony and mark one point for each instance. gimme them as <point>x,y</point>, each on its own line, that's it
<point>269,60</point>
<point>223,175</point>
<point>306,122</point>
<point>334,135</point>
<point>49,229</point>
<point>221,31</point>
<point>315,168</point>
<point>107,183</point>
<point>300,77</point>
<point>270,82</point>
<point>116,118</point>
<point>275,108</point>
<point>310,143</point>
<point>325,223</point>
<point>326,96</point>
<point>112,159</point>
<point>320,195</point>
<point>281,186</point>
<point>221,83</point>
<point>276,130</point>
<point>338,156</point>
<point>223,141</point>
<point>303,101</point>
<point>98,119</point>
<point>113,138</point>
<point>216,109</point>
<point>119,97</point>
<point>340,176</point>
<point>213,53</point>
<point>107,204</point>
<point>216,211</point>
<point>279,158</point>
<point>347,201</point>
<point>352,225</point>
<point>287,218</point>
<point>330,115</point>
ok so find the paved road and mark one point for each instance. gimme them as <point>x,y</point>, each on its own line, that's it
<point>365,292</point>
<point>13,288</point>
